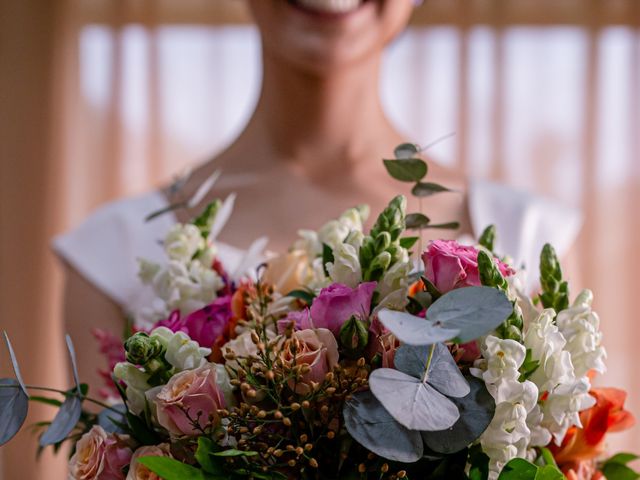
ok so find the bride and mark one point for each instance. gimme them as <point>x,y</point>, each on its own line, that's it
<point>312,148</point>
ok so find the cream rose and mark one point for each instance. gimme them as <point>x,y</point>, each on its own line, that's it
<point>100,456</point>
<point>137,471</point>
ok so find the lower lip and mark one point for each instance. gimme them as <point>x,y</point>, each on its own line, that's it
<point>324,14</point>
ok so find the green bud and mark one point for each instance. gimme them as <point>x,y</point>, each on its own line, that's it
<point>205,220</point>
<point>490,275</point>
<point>555,291</point>
<point>488,238</point>
<point>142,349</point>
<point>383,240</point>
<point>392,218</point>
<point>513,333</point>
<point>378,267</point>
<point>354,336</point>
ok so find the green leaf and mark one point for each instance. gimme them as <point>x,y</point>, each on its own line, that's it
<point>206,448</point>
<point>426,189</point>
<point>618,471</point>
<point>416,221</point>
<point>327,257</point>
<point>408,242</point>
<point>623,458</point>
<point>549,472</point>
<point>141,431</point>
<point>488,238</point>
<point>406,170</point>
<point>406,150</point>
<point>232,452</point>
<point>445,226</point>
<point>171,469</point>
<point>14,363</point>
<point>304,295</point>
<point>46,400</point>
<point>518,469</point>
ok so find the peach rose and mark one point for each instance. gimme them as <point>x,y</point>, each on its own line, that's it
<point>317,348</point>
<point>384,347</point>
<point>100,456</point>
<point>286,272</point>
<point>191,399</point>
<point>137,471</point>
<point>581,446</point>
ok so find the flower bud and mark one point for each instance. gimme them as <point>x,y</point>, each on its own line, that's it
<point>141,348</point>
<point>354,336</point>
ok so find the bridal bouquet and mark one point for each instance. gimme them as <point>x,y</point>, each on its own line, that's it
<point>355,355</point>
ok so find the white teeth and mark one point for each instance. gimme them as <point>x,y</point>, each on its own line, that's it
<point>330,6</point>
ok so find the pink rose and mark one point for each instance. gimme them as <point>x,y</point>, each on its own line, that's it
<point>383,346</point>
<point>316,348</point>
<point>449,265</point>
<point>137,471</point>
<point>100,456</point>
<point>206,325</point>
<point>337,303</point>
<point>191,397</point>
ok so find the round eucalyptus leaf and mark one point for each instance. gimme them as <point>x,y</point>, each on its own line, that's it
<point>406,170</point>
<point>416,221</point>
<point>369,423</point>
<point>473,311</point>
<point>406,150</point>
<point>444,375</point>
<point>414,330</point>
<point>14,405</point>
<point>476,412</point>
<point>64,422</point>
<point>412,402</point>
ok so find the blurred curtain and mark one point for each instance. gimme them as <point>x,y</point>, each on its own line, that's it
<point>104,98</point>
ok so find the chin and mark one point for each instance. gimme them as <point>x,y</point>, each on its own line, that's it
<point>322,35</point>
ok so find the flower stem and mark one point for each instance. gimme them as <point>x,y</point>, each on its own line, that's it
<point>66,394</point>
<point>428,365</point>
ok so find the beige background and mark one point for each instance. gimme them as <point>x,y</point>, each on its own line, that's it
<point>62,153</point>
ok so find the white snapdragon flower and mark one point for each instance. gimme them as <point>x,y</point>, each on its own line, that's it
<point>563,406</point>
<point>137,385</point>
<point>393,287</point>
<point>581,328</point>
<point>547,347</point>
<point>508,435</point>
<point>182,352</point>
<point>183,241</point>
<point>345,267</point>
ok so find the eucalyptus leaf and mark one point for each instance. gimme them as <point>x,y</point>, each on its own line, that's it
<point>445,226</point>
<point>408,242</point>
<point>426,189</point>
<point>414,330</point>
<point>412,402</point>
<point>444,375</point>
<point>74,363</point>
<point>111,419</point>
<point>476,412</point>
<point>14,363</point>
<point>473,311</point>
<point>371,425</point>
<point>416,221</point>
<point>14,405</point>
<point>406,170</point>
<point>406,150</point>
<point>64,422</point>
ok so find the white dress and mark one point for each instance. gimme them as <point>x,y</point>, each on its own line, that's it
<point>106,246</point>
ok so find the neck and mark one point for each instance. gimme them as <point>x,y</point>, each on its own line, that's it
<point>316,121</point>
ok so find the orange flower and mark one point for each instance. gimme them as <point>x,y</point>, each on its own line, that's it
<point>416,287</point>
<point>581,446</point>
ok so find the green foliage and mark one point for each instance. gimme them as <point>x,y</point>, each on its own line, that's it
<point>406,170</point>
<point>555,291</point>
<point>417,221</point>
<point>171,469</point>
<point>204,221</point>
<point>305,295</point>
<point>617,468</point>
<point>488,238</point>
<point>529,366</point>
<point>520,469</point>
<point>426,189</point>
